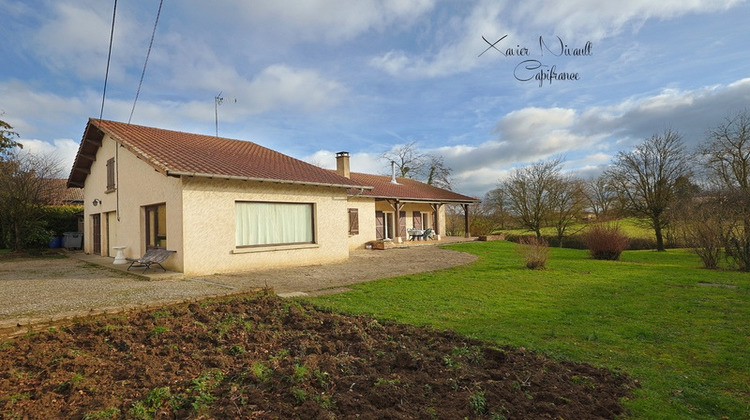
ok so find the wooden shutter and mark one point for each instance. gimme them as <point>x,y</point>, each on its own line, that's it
<point>353,221</point>
<point>402,224</point>
<point>111,174</point>
<point>417,220</point>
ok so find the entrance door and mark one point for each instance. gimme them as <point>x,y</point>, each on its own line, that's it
<point>96,226</point>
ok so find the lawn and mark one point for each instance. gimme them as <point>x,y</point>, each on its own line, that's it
<point>683,332</point>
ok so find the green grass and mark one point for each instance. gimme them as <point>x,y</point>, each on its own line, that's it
<point>683,332</point>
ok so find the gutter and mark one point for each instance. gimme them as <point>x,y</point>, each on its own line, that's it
<point>279,181</point>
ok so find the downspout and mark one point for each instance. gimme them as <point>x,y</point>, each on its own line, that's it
<point>117,180</point>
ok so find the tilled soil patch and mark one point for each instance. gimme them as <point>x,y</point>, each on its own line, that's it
<point>265,357</point>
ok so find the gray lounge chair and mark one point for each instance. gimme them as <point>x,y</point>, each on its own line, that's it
<point>152,256</point>
<point>427,234</point>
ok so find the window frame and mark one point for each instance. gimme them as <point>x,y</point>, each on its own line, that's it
<point>156,225</point>
<point>313,224</point>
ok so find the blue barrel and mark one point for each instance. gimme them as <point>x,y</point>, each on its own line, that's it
<point>54,242</point>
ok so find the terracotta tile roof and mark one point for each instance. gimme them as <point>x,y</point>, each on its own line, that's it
<point>177,153</point>
<point>59,194</point>
<point>406,189</point>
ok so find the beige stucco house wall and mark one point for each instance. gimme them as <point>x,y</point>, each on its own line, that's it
<point>137,185</point>
<point>200,221</point>
<point>209,225</point>
<point>366,213</point>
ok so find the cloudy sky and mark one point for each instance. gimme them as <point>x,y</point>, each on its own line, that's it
<point>310,78</point>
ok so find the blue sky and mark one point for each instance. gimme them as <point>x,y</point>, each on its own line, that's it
<point>311,78</point>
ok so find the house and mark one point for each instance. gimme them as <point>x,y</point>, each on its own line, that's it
<point>229,205</point>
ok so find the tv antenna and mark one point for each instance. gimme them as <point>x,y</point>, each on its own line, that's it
<point>218,100</point>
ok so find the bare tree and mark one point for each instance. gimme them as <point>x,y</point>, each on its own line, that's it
<point>409,161</point>
<point>528,191</point>
<point>647,177</point>
<point>727,160</point>
<point>566,202</point>
<point>496,203</point>
<point>600,195</point>
<point>25,188</point>
<point>699,221</point>
<point>438,174</point>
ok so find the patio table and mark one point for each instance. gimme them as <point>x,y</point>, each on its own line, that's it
<point>415,233</point>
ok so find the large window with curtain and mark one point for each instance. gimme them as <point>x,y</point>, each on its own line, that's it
<point>264,224</point>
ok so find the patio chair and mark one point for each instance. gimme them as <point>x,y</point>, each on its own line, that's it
<point>427,234</point>
<point>152,256</point>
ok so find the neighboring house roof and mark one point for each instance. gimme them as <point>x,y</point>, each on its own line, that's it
<point>59,194</point>
<point>175,153</point>
<point>406,189</point>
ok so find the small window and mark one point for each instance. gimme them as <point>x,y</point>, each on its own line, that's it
<point>111,174</point>
<point>264,224</point>
<point>353,222</point>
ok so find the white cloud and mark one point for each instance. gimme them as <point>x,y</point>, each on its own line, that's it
<point>587,139</point>
<point>574,21</point>
<point>596,19</point>
<point>310,20</point>
<point>23,105</point>
<point>62,150</point>
<point>280,86</point>
<point>367,163</point>
<point>75,38</point>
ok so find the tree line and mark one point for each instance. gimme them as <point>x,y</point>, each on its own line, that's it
<point>26,190</point>
<point>699,197</point>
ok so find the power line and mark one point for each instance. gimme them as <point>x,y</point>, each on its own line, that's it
<point>109,59</point>
<point>143,73</point>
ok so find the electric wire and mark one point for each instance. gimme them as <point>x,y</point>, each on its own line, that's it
<point>109,59</point>
<point>143,73</point>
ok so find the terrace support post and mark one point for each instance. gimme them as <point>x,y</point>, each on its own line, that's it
<point>436,226</point>
<point>397,206</point>
<point>467,234</point>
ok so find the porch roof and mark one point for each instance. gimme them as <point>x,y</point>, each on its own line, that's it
<point>175,153</point>
<point>406,189</point>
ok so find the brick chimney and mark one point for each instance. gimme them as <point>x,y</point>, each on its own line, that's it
<point>342,164</point>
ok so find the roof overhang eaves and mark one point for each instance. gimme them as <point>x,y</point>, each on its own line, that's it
<point>424,200</point>
<point>279,181</point>
<point>90,143</point>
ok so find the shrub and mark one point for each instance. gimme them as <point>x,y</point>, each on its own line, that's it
<point>61,219</point>
<point>703,235</point>
<point>639,244</point>
<point>535,252</point>
<point>605,242</point>
<point>481,226</point>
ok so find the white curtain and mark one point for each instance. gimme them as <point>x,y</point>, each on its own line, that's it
<point>273,223</point>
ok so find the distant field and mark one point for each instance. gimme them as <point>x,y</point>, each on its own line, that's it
<point>682,331</point>
<point>632,227</point>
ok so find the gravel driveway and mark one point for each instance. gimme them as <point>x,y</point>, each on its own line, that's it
<point>40,292</point>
